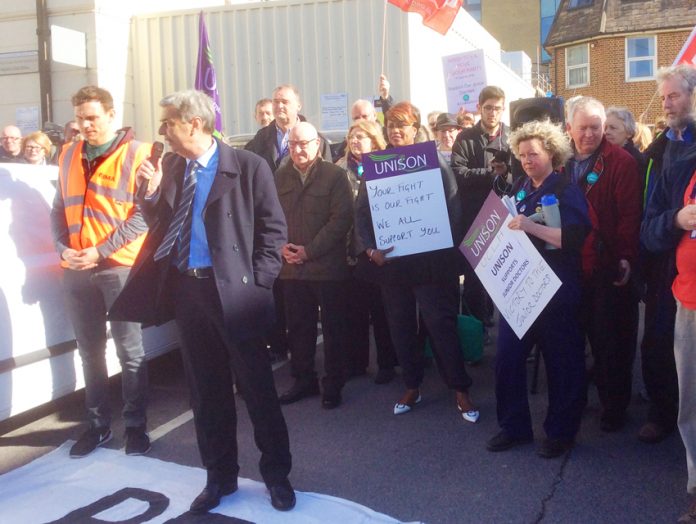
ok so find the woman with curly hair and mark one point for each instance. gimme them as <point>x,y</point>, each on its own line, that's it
<point>542,148</point>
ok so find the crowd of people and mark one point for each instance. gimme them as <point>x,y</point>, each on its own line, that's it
<point>248,248</point>
<point>35,148</point>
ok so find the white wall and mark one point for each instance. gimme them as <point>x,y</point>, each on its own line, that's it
<point>323,46</point>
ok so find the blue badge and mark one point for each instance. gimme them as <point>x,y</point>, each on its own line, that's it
<point>521,194</point>
<point>360,170</point>
<point>522,208</point>
<point>592,178</point>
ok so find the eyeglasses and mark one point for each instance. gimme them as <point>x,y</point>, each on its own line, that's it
<point>33,148</point>
<point>12,138</point>
<point>302,144</point>
<point>357,136</point>
<point>492,109</point>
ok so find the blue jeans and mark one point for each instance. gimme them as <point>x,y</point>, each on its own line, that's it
<point>90,294</point>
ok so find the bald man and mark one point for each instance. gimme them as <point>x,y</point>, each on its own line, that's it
<point>317,200</point>
<point>11,147</point>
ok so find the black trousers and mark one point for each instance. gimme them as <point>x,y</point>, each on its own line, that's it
<point>365,304</point>
<point>277,337</point>
<point>303,298</point>
<point>657,354</point>
<point>609,316</point>
<point>212,363</point>
<point>475,296</point>
<point>438,304</point>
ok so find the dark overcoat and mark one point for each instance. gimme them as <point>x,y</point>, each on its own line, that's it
<point>245,229</point>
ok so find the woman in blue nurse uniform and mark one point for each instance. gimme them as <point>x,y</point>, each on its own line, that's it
<point>542,148</point>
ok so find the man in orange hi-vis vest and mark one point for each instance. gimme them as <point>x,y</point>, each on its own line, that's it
<point>98,231</point>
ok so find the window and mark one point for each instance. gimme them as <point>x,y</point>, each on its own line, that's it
<point>574,4</point>
<point>641,59</point>
<point>577,65</point>
<point>473,7</point>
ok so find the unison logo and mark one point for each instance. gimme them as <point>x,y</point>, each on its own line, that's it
<point>476,242</point>
<point>402,163</point>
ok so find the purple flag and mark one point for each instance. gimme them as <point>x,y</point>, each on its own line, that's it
<point>206,80</point>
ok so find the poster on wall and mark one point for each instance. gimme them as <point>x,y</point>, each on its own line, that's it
<point>465,77</point>
<point>334,111</point>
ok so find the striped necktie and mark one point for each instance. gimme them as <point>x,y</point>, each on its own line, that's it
<point>176,226</point>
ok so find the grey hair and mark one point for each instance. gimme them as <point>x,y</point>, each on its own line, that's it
<point>586,103</point>
<point>190,104</point>
<point>361,102</point>
<point>626,118</point>
<point>291,88</point>
<point>685,73</point>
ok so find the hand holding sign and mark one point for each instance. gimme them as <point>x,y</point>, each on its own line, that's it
<point>407,200</point>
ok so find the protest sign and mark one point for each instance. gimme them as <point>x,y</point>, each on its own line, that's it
<point>407,199</point>
<point>465,77</point>
<point>517,278</point>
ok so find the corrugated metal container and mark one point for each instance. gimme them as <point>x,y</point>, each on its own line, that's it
<point>321,46</point>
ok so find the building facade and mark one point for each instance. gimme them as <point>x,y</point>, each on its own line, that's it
<point>612,49</point>
<point>518,25</point>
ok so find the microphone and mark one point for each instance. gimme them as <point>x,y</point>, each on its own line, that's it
<point>155,154</point>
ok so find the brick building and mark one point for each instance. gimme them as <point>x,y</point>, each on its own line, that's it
<point>612,49</point>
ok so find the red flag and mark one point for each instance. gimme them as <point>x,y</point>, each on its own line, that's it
<point>687,55</point>
<point>437,14</point>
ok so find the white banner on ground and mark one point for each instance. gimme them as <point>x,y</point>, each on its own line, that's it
<point>112,487</point>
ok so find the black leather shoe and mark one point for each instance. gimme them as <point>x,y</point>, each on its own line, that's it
<point>210,497</point>
<point>298,392</point>
<point>554,447</point>
<point>331,400</point>
<point>282,496</point>
<point>502,441</point>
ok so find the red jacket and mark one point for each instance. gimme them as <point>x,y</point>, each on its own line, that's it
<point>615,209</point>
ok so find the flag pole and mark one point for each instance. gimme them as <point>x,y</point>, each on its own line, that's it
<point>384,36</point>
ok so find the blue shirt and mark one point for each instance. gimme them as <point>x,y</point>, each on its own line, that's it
<point>199,255</point>
<point>686,135</point>
<point>282,142</point>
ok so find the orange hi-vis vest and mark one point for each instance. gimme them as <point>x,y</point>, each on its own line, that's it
<point>94,209</point>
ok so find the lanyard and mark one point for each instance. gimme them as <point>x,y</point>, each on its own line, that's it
<point>593,175</point>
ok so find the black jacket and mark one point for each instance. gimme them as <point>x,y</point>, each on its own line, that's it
<point>658,232</point>
<point>246,229</point>
<point>471,166</point>
<point>264,144</point>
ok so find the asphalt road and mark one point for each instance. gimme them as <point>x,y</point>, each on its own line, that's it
<point>428,465</point>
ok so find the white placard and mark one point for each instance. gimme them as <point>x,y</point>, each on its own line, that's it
<point>465,77</point>
<point>407,200</point>
<point>515,275</point>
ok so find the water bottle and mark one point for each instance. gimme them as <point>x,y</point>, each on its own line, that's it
<point>551,212</point>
